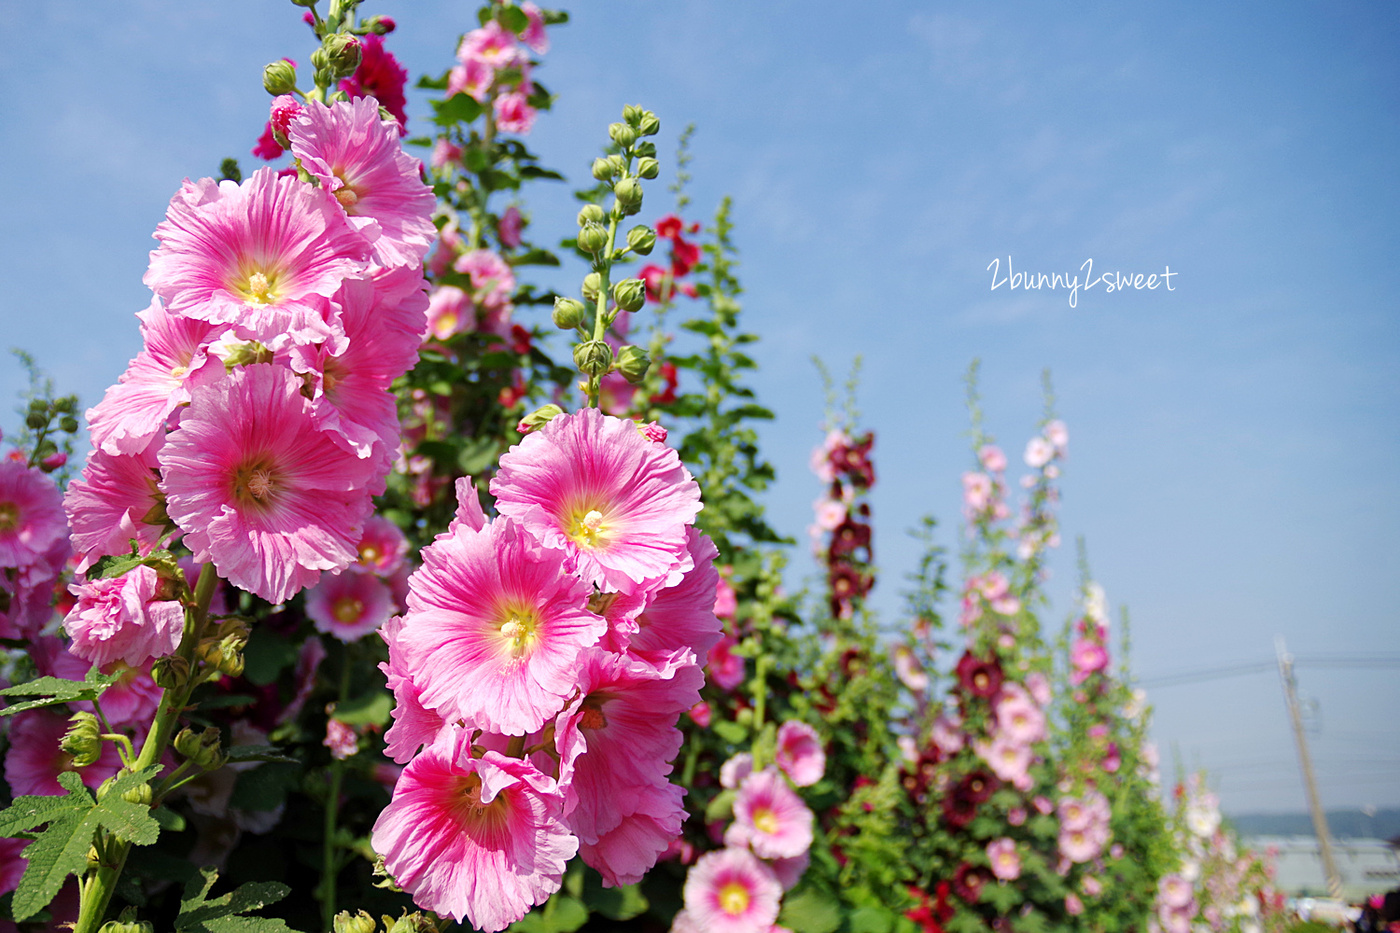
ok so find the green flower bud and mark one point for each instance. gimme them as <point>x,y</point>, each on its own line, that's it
<point>641,239</point>
<point>69,424</point>
<point>170,672</point>
<point>280,78</point>
<point>629,195</point>
<point>630,294</point>
<point>83,740</point>
<point>538,418</point>
<point>568,313</point>
<point>645,149</point>
<point>319,59</point>
<point>117,926</point>
<point>591,214</point>
<point>622,134</point>
<point>618,163</point>
<point>202,748</point>
<point>648,168</point>
<point>602,169</point>
<point>411,923</point>
<point>593,238</point>
<point>591,283</point>
<point>360,922</point>
<point>36,420</point>
<point>593,358</point>
<point>140,794</point>
<point>632,114</point>
<point>649,125</point>
<point>246,354</point>
<point>380,25</point>
<point>66,405</point>
<point>633,363</point>
<point>343,54</point>
<point>39,406</point>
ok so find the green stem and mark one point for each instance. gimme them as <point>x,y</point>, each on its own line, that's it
<point>328,853</point>
<point>600,311</point>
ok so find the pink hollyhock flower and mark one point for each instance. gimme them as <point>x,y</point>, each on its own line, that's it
<point>267,147</point>
<point>281,112</point>
<point>414,724</point>
<point>591,487</point>
<point>357,158</point>
<point>509,226</point>
<point>1009,761</point>
<point>340,739</point>
<point>769,817</point>
<point>992,458</point>
<point>1083,845</point>
<point>908,669</point>
<point>789,871</point>
<point>1086,657</point>
<point>1019,720</point>
<point>617,737</point>
<point>109,506</point>
<point>1005,861</point>
<point>492,45</point>
<point>120,619</point>
<point>34,759</point>
<point>800,753</point>
<point>259,489</point>
<point>495,628</point>
<point>678,619</point>
<point>1016,816</point>
<point>381,77</point>
<point>349,605</point>
<point>514,114</point>
<point>731,891</point>
<point>700,713</point>
<point>534,34</point>
<point>1073,905</point>
<point>1043,805</point>
<point>450,312</point>
<point>1091,886</point>
<point>733,771</point>
<point>1074,813</point>
<point>173,361</point>
<point>830,513</point>
<point>947,734</point>
<point>977,491</point>
<point>472,78</point>
<point>726,600</point>
<point>1039,686</point>
<point>624,854</point>
<point>493,282</point>
<point>725,667</point>
<point>1039,452</point>
<point>382,547</point>
<point>476,838</point>
<point>31,515</point>
<point>1057,434</point>
<point>1174,891</point>
<point>264,256</point>
<point>444,153</point>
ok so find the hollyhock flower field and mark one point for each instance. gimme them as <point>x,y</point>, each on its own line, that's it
<point>398,590</point>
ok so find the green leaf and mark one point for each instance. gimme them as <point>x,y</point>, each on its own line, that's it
<point>810,912</point>
<point>560,914</point>
<point>72,821</point>
<point>54,690</point>
<point>871,920</point>
<point>259,753</point>
<point>223,914</point>
<point>1003,897</point>
<point>367,709</point>
<point>732,732</point>
<point>459,108</point>
<point>622,903</point>
<point>266,656</point>
<point>168,819</point>
<point>513,18</point>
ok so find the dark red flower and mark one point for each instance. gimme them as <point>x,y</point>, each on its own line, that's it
<point>669,226</point>
<point>684,256</point>
<point>379,76</point>
<point>267,148</point>
<point>848,537</point>
<point>969,880</point>
<point>978,676</point>
<point>669,376</point>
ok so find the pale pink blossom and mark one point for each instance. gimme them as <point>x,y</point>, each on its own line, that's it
<point>509,226</point>
<point>1083,844</point>
<point>382,547</point>
<point>908,669</point>
<point>113,503</point>
<point>472,77</point>
<point>1086,657</point>
<point>349,605</point>
<point>726,601</point>
<point>1039,452</point>
<point>340,739</point>
<point>1073,905</point>
<point>769,817</point>
<point>1003,858</point>
<point>589,486</point>
<point>1058,435</point>
<point>789,871</point>
<point>799,753</point>
<point>977,491</point>
<point>121,619</point>
<point>534,34</point>
<point>259,489</point>
<point>514,113</point>
<point>735,769</point>
<point>1008,760</point>
<point>991,458</point>
<point>1019,719</point>
<point>624,854</point>
<point>947,734</point>
<point>731,891</point>
<point>479,839</point>
<point>493,45</point>
<point>492,280</point>
<point>1039,686</point>
<point>725,667</point>
<point>830,513</point>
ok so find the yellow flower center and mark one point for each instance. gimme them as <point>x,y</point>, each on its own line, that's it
<point>259,290</point>
<point>765,821</point>
<point>255,484</point>
<point>734,898</point>
<point>347,197</point>
<point>518,630</point>
<point>347,609</point>
<point>588,530</point>
<point>9,516</point>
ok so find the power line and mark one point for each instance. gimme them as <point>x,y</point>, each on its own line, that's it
<point>1259,667</point>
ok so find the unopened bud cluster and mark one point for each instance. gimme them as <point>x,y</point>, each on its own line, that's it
<point>39,417</point>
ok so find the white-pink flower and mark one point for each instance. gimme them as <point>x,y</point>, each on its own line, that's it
<point>120,619</point>
<point>769,817</point>
<point>799,753</point>
<point>1039,452</point>
<point>1003,858</point>
<point>731,891</point>
<point>350,604</point>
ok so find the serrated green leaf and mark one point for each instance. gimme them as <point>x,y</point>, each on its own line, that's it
<point>459,108</point>
<point>54,690</point>
<point>371,708</point>
<point>810,912</point>
<point>223,914</point>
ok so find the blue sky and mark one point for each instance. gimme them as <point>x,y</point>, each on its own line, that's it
<point>1234,442</point>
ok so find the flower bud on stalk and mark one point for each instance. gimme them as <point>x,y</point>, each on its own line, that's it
<point>141,795</point>
<point>568,313</point>
<point>342,54</point>
<point>593,358</point>
<point>629,195</point>
<point>202,748</point>
<point>116,926</point>
<point>630,294</point>
<point>357,923</point>
<point>591,214</point>
<point>602,169</point>
<point>538,418</point>
<point>633,115</point>
<point>618,163</point>
<point>648,168</point>
<point>641,239</point>
<point>280,78</point>
<point>622,134</point>
<point>170,672</point>
<point>649,125</point>
<point>83,740</point>
<point>592,238</point>
<point>591,283</point>
<point>633,363</point>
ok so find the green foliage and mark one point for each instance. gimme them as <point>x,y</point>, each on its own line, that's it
<point>51,691</point>
<point>73,822</point>
<point>225,914</point>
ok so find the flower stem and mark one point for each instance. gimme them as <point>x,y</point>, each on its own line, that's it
<point>326,892</point>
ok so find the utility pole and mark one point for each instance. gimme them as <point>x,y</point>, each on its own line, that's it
<point>1319,818</point>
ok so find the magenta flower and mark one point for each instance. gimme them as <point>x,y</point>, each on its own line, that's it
<point>34,759</point>
<point>534,34</point>
<point>513,113</point>
<point>340,739</point>
<point>725,667</point>
<point>476,838</point>
<point>114,502</point>
<point>731,891</point>
<point>493,281</point>
<point>382,547</point>
<point>414,724</point>
<point>679,618</point>
<point>264,256</point>
<point>31,515</point>
<point>800,753</point>
<point>350,604</point>
<point>628,851</point>
<point>591,486</point>
<point>1087,657</point>
<point>174,360</point>
<point>1005,861</point>
<point>357,158</point>
<point>120,619</point>
<point>259,489</point>
<point>495,628</point>
<point>769,817</point>
<point>1019,720</point>
<point>509,226</point>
